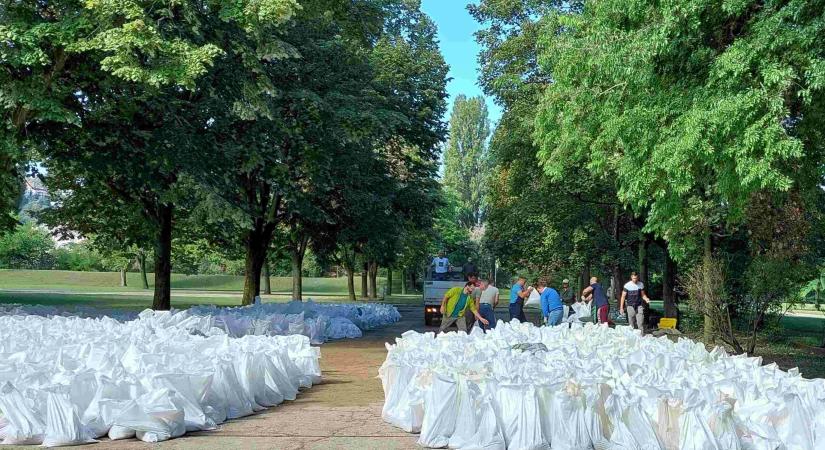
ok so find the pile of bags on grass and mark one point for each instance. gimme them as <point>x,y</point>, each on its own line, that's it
<point>527,387</point>
<point>14,309</point>
<point>318,321</point>
<point>71,380</point>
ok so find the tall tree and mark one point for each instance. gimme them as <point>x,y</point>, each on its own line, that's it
<point>466,166</point>
<point>134,141</point>
<point>149,43</point>
<point>691,107</point>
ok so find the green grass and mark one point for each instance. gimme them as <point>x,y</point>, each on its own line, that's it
<point>102,289</point>
<point>110,281</point>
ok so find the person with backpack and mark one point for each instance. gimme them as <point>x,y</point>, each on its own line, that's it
<point>635,299</point>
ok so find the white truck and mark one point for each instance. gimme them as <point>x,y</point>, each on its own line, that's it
<point>434,292</point>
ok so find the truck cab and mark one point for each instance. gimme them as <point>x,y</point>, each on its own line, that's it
<point>434,292</point>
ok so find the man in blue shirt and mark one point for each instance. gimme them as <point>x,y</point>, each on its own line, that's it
<point>596,293</point>
<point>517,296</point>
<point>551,307</point>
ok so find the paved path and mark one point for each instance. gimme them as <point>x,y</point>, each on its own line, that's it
<point>344,412</point>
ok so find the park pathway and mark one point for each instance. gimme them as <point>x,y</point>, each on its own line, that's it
<point>344,412</point>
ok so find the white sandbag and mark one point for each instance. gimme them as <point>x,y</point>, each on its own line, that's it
<point>519,411</point>
<point>156,416</point>
<point>182,385</point>
<point>467,415</point>
<point>117,432</point>
<point>488,435</point>
<point>440,410</point>
<point>63,427</point>
<point>591,386</point>
<point>534,299</point>
<point>23,424</point>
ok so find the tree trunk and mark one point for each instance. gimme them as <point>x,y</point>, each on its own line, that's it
<point>373,278</point>
<point>350,281</point>
<point>616,283</point>
<point>615,274</point>
<point>257,244</point>
<point>669,286</point>
<point>364,271</point>
<point>163,260</point>
<point>388,290</point>
<point>404,281</point>
<point>123,277</point>
<point>141,259</point>
<point>267,282</point>
<point>413,280</point>
<point>584,278</point>
<point>297,276</point>
<point>644,244</point>
<point>709,331</point>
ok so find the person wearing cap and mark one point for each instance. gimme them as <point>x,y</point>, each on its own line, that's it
<point>568,297</point>
<point>454,306</point>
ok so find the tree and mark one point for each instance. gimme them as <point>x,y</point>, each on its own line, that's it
<point>27,247</point>
<point>691,107</point>
<point>152,44</point>
<point>466,165</point>
<point>133,141</point>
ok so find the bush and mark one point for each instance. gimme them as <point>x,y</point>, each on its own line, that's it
<point>27,247</point>
<point>78,256</point>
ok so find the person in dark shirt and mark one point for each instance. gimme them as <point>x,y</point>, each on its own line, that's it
<point>568,296</point>
<point>596,292</point>
<point>469,268</point>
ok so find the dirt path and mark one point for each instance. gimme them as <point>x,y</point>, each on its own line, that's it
<point>344,412</point>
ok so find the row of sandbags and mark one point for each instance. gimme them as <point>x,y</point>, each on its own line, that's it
<point>71,380</point>
<point>526,387</point>
<point>318,321</point>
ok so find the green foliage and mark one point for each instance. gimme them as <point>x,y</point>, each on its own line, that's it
<point>27,247</point>
<point>466,164</point>
<point>79,256</point>
<point>691,106</point>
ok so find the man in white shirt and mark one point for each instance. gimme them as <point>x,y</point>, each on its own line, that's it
<point>633,294</point>
<point>486,304</point>
<point>441,266</point>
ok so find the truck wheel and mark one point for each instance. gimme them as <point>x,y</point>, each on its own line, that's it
<point>428,320</point>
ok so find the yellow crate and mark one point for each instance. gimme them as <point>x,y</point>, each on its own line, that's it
<point>667,323</point>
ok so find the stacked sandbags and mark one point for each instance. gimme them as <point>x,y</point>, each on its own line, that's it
<point>70,380</point>
<point>319,322</point>
<point>526,387</point>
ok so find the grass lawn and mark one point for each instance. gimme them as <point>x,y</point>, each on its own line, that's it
<point>108,281</point>
<point>102,289</point>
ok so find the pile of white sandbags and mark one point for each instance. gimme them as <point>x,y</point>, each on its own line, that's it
<point>319,322</point>
<point>71,380</point>
<point>15,309</point>
<point>584,387</point>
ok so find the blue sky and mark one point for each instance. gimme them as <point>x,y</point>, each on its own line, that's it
<point>455,31</point>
